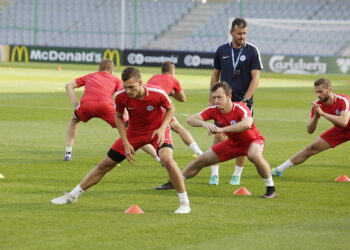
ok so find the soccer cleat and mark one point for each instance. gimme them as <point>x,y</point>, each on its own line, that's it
<point>275,172</point>
<point>214,180</point>
<point>269,196</point>
<point>184,207</point>
<point>165,186</point>
<point>235,180</point>
<point>67,156</point>
<point>270,193</point>
<point>65,199</point>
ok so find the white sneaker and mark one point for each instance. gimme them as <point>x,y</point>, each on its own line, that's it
<point>67,156</point>
<point>65,199</point>
<point>184,208</point>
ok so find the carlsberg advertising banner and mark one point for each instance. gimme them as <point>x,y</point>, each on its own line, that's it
<point>306,64</point>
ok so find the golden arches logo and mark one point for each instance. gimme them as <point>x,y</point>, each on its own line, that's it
<point>21,52</point>
<point>113,55</point>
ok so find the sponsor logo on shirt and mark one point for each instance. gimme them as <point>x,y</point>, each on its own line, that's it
<point>129,108</point>
<point>224,57</point>
<point>149,108</point>
<point>233,122</point>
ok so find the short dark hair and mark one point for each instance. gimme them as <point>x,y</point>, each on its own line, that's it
<point>224,85</point>
<point>323,81</point>
<point>106,65</point>
<point>167,66</point>
<point>130,72</point>
<point>239,22</point>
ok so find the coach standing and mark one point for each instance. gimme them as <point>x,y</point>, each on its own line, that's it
<point>239,64</point>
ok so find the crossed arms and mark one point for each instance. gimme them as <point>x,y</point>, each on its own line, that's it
<point>196,120</point>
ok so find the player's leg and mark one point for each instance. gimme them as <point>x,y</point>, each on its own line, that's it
<point>175,176</point>
<point>186,137</point>
<point>92,178</point>
<point>255,155</point>
<point>316,147</point>
<point>206,159</point>
<point>236,176</point>
<point>194,167</point>
<point>214,178</point>
<point>72,132</point>
<point>149,149</point>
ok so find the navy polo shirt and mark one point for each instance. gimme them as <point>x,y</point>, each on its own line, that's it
<point>249,59</point>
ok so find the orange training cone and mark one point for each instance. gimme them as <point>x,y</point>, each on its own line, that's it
<point>134,209</point>
<point>242,191</point>
<point>342,178</point>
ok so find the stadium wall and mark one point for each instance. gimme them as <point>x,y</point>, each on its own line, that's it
<point>272,63</point>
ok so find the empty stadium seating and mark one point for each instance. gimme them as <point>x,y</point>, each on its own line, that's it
<point>96,24</point>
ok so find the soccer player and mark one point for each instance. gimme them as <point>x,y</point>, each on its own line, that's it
<point>333,107</point>
<point>96,102</point>
<point>244,139</point>
<point>150,111</point>
<point>167,81</point>
<point>238,63</point>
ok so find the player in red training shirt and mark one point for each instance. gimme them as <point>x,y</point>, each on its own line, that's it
<point>333,107</point>
<point>96,102</point>
<point>244,139</point>
<point>167,81</point>
<point>150,111</point>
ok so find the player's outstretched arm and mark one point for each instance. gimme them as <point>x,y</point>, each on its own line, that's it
<point>197,120</point>
<point>180,96</point>
<point>71,94</point>
<point>243,125</point>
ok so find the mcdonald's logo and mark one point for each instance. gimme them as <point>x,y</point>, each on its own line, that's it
<point>113,55</point>
<point>21,52</point>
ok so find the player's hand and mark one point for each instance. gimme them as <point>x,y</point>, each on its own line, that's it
<point>160,133</point>
<point>212,128</point>
<point>129,152</point>
<point>317,108</point>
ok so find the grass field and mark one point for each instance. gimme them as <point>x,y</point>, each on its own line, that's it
<point>311,211</point>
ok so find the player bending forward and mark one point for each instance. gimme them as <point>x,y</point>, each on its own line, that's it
<point>333,107</point>
<point>150,111</point>
<point>235,120</point>
<point>167,81</point>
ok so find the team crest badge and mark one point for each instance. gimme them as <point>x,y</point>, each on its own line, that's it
<point>337,112</point>
<point>149,108</point>
<point>233,122</point>
<point>242,58</point>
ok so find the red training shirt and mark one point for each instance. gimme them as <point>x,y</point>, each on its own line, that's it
<point>146,114</point>
<point>238,112</point>
<point>99,86</point>
<point>341,103</point>
<point>166,82</point>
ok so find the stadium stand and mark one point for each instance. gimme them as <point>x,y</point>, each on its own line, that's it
<point>281,27</point>
<point>88,23</point>
<point>294,27</point>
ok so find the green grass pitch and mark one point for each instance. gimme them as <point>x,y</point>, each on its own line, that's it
<point>311,211</point>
